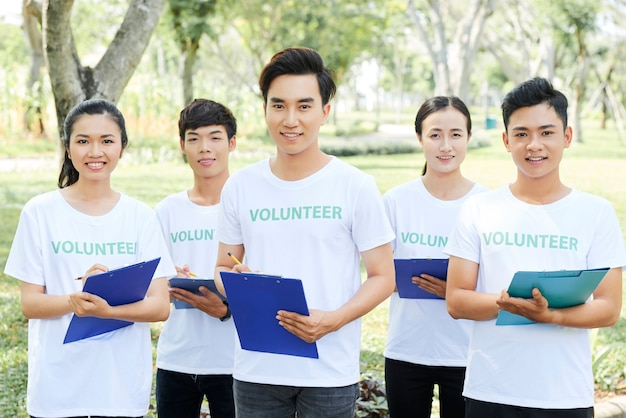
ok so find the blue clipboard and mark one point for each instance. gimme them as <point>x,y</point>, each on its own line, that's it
<point>254,299</point>
<point>193,286</point>
<point>118,287</point>
<point>407,268</point>
<point>562,289</point>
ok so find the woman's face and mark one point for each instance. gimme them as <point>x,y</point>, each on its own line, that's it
<point>444,140</point>
<point>95,146</point>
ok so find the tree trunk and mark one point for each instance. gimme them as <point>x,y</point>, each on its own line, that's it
<point>189,62</point>
<point>33,84</point>
<point>73,83</point>
<point>452,59</point>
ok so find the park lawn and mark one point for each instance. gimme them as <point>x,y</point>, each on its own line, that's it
<point>597,166</point>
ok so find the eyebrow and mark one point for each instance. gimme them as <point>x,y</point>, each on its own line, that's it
<point>88,136</point>
<point>217,131</point>
<point>302,100</point>
<point>524,128</point>
<point>437,129</point>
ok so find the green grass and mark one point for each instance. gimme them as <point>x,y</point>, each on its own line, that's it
<point>597,166</point>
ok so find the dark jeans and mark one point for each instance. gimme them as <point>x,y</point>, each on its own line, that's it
<point>410,389</point>
<point>254,400</point>
<point>180,395</point>
<point>480,409</point>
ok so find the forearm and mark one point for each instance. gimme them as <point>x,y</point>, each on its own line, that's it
<point>153,308</point>
<point>371,293</point>
<point>593,314</point>
<point>44,306</point>
<point>470,304</point>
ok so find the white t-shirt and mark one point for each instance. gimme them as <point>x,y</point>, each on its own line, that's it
<point>109,374</point>
<point>537,365</point>
<point>420,330</point>
<point>311,229</point>
<point>192,341</point>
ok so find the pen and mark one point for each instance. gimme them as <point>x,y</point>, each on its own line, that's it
<point>233,258</point>
<point>192,274</point>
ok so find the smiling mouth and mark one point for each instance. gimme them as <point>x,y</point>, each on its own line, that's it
<point>291,135</point>
<point>446,157</point>
<point>536,159</point>
<point>95,165</point>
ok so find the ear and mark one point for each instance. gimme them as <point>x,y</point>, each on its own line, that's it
<point>505,140</point>
<point>419,138</point>
<point>568,136</point>
<point>326,111</point>
<point>181,142</point>
<point>232,143</point>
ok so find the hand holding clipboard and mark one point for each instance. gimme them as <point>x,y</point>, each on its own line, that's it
<point>118,287</point>
<point>561,288</point>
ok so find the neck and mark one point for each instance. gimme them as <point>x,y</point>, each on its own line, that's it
<point>446,186</point>
<point>541,191</point>
<point>298,166</point>
<point>92,190</point>
<point>206,191</point>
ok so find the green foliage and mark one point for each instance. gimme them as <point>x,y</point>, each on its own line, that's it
<point>350,147</point>
<point>372,401</point>
<point>13,46</point>
<point>189,19</point>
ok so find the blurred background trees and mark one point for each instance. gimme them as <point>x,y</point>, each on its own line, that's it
<point>155,56</point>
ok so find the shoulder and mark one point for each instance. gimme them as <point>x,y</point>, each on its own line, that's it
<point>43,200</point>
<point>403,187</point>
<point>135,204</point>
<point>171,200</point>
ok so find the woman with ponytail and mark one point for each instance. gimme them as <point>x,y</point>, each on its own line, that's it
<point>85,228</point>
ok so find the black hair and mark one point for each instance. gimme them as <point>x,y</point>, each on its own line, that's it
<point>531,93</point>
<point>298,61</point>
<point>69,174</point>
<point>436,103</point>
<point>204,112</point>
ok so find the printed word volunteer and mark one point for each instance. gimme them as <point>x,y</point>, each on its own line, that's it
<point>97,248</point>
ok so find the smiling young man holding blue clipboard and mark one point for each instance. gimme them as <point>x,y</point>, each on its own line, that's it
<point>195,349</point>
<point>304,214</point>
<point>537,223</point>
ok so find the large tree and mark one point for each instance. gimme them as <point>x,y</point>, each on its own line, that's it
<point>451,32</point>
<point>189,19</point>
<point>73,82</point>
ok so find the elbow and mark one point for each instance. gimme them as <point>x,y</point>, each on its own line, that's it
<point>27,313</point>
<point>453,310</point>
<point>454,313</point>
<point>612,320</point>
<point>163,314</point>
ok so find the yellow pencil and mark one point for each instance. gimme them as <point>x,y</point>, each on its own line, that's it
<point>233,258</point>
<point>192,274</point>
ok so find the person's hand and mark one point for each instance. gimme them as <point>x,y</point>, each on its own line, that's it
<point>309,328</point>
<point>93,270</point>
<point>431,284</point>
<point>183,271</point>
<point>88,304</point>
<point>208,302</point>
<point>536,309</point>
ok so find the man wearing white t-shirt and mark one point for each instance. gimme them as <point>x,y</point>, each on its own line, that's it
<point>327,217</point>
<point>195,349</point>
<point>543,369</point>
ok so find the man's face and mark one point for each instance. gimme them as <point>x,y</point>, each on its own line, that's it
<point>536,139</point>
<point>294,113</point>
<point>207,149</point>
